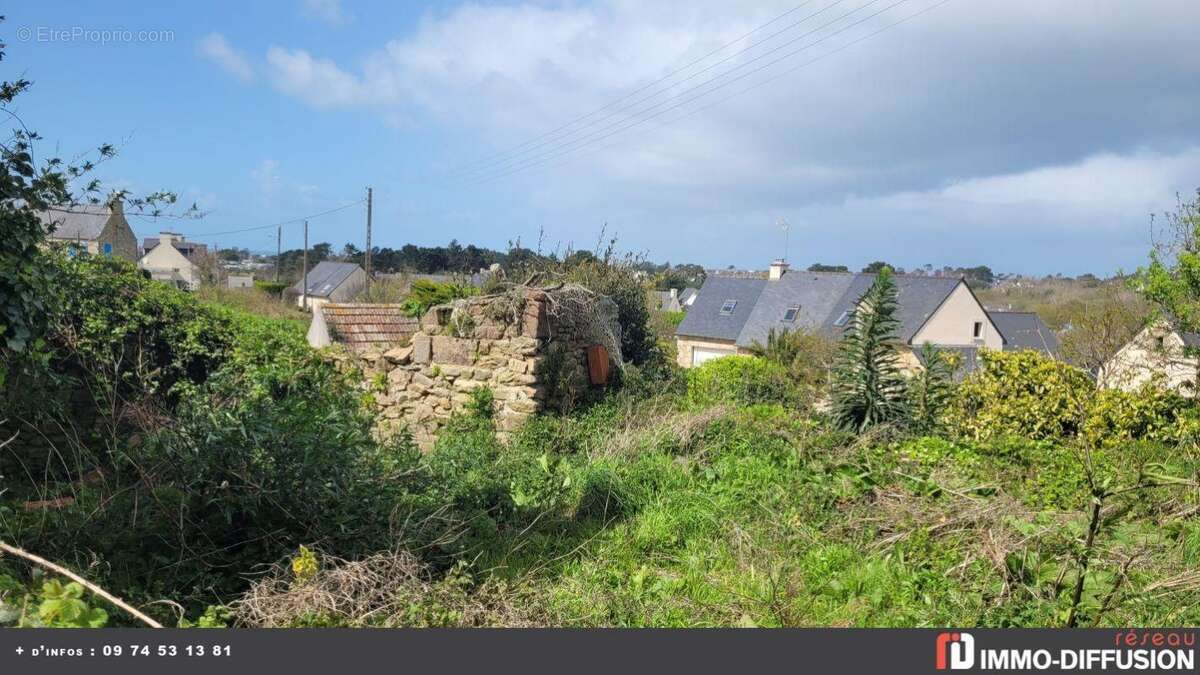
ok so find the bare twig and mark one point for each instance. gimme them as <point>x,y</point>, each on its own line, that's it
<point>59,569</point>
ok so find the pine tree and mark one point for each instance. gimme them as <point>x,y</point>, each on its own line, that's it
<point>868,387</point>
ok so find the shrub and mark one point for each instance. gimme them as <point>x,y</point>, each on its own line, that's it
<point>746,380</point>
<point>273,449</point>
<point>618,280</point>
<point>807,357</point>
<point>425,294</point>
<point>1022,393</point>
<point>605,272</point>
<point>1151,413</point>
<point>274,288</point>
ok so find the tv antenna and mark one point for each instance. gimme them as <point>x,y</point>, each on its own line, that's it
<point>785,226</point>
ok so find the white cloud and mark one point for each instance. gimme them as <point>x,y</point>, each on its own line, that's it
<point>1103,191</point>
<point>329,11</point>
<point>217,49</point>
<point>272,188</point>
<point>319,82</point>
<point>266,179</point>
<point>991,114</point>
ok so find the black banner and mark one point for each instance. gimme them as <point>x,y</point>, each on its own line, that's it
<point>221,652</point>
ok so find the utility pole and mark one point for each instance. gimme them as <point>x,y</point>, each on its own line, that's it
<point>367,253</point>
<point>304,278</point>
<point>278,250</point>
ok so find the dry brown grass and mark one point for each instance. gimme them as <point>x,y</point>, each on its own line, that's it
<point>389,589</point>
<point>656,423</point>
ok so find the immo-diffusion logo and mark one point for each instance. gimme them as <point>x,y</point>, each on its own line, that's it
<point>955,651</point>
<point>1150,650</point>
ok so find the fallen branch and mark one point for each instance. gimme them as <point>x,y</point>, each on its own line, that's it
<point>59,569</point>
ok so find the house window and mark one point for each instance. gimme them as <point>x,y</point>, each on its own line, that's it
<point>841,320</point>
<point>977,332</point>
<point>107,248</point>
<point>790,314</point>
<point>727,308</point>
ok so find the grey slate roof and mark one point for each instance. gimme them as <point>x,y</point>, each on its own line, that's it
<point>668,302</point>
<point>822,297</point>
<point>83,223</point>
<point>1025,330</point>
<point>918,299</point>
<point>325,277</point>
<point>705,320</point>
<point>817,294</point>
<point>187,248</point>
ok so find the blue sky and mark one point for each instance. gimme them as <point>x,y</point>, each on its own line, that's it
<point>1034,136</point>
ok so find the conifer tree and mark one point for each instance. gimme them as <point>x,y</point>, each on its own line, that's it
<point>868,388</point>
<point>929,391</point>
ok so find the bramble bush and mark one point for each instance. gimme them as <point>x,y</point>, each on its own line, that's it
<point>53,605</point>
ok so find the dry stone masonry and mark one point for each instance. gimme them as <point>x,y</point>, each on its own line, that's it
<point>529,346</point>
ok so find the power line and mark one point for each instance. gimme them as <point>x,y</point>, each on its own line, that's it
<point>716,77</point>
<point>293,221</point>
<point>601,134</point>
<point>593,138</point>
<point>774,77</point>
<point>518,149</point>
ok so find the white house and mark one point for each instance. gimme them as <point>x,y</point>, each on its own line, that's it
<point>240,281</point>
<point>1159,350</point>
<point>166,262</point>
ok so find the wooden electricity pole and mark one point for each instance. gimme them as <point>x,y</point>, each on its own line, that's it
<point>367,253</point>
<point>278,250</point>
<point>304,278</point>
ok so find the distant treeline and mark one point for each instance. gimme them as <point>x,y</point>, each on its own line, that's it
<point>458,259</point>
<point>453,257</point>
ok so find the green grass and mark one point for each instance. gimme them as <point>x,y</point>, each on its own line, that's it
<point>766,520</point>
<point>256,302</point>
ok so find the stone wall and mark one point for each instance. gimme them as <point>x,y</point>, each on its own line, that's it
<point>527,347</point>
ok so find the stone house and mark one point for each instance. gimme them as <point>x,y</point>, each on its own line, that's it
<point>731,314</point>
<point>534,349</point>
<point>1160,350</point>
<point>98,230</point>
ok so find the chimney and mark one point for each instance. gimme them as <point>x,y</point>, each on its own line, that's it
<point>169,237</point>
<point>778,267</point>
<point>116,204</point>
<point>674,293</point>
